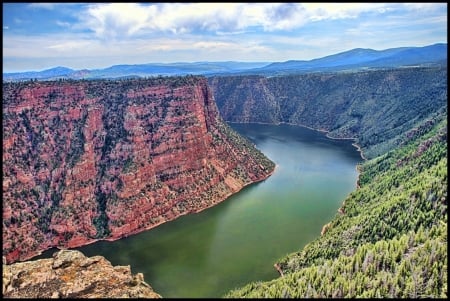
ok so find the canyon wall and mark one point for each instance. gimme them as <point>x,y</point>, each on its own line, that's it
<point>89,160</point>
<point>376,108</point>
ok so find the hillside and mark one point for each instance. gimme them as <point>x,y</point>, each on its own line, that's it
<point>89,160</point>
<point>376,108</point>
<point>389,238</point>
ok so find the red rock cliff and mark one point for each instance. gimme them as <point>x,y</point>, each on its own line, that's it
<point>88,160</point>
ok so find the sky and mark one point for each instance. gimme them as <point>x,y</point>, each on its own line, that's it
<point>38,36</point>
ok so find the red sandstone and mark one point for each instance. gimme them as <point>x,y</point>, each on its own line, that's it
<point>179,159</point>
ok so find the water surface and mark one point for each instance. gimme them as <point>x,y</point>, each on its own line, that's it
<point>238,241</point>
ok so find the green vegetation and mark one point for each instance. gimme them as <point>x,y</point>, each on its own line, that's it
<point>77,143</point>
<point>244,145</point>
<point>389,239</point>
<point>374,107</point>
<point>101,221</point>
<point>411,266</point>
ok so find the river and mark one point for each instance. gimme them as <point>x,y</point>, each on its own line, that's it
<point>238,241</point>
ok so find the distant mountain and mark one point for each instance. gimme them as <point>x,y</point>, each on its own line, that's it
<point>414,56</point>
<point>352,60</point>
<point>139,70</point>
<point>360,58</point>
<point>49,73</point>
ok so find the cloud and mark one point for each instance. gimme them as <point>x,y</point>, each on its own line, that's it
<point>334,11</point>
<point>103,34</point>
<point>128,19</point>
<point>62,23</point>
<point>67,48</point>
<point>5,27</point>
<point>48,6</point>
<point>195,46</point>
<point>424,6</point>
<point>116,19</point>
<point>18,21</point>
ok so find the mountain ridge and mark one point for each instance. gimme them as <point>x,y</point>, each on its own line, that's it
<point>354,59</point>
<point>360,58</point>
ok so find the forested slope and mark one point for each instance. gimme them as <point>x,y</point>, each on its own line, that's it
<point>375,107</point>
<point>389,239</point>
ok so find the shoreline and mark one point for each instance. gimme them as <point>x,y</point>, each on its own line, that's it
<point>276,266</point>
<point>112,239</point>
<point>327,133</point>
<point>243,186</point>
<point>189,212</point>
<point>358,149</point>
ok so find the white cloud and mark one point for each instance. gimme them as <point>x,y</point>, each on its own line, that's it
<point>127,19</point>
<point>212,45</point>
<point>62,23</point>
<point>51,6</point>
<point>322,11</point>
<point>70,45</point>
<point>43,5</point>
<point>18,21</point>
<point>137,50</point>
<point>115,33</point>
<point>424,6</point>
<point>333,11</point>
<point>116,19</point>
<point>197,47</point>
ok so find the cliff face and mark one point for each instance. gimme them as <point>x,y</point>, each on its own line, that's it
<point>69,274</point>
<point>375,107</point>
<point>87,160</point>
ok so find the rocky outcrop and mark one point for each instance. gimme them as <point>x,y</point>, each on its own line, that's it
<point>89,160</point>
<point>69,274</point>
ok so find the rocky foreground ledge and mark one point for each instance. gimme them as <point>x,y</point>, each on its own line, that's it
<point>70,274</point>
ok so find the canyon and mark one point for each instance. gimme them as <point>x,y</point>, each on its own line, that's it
<point>376,108</point>
<point>90,160</point>
<point>389,237</point>
<point>127,155</point>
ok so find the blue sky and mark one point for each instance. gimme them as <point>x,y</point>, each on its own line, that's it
<point>39,36</point>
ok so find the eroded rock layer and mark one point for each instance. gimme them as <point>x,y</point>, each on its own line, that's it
<point>69,274</point>
<point>88,160</point>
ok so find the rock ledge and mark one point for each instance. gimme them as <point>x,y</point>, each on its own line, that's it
<point>70,274</point>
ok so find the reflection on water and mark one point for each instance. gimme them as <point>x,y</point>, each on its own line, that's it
<point>239,240</point>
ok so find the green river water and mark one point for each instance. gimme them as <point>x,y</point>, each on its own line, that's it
<point>238,241</point>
